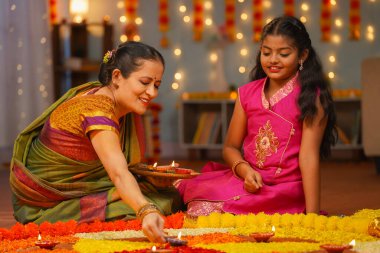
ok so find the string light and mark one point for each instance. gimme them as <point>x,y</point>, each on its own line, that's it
<point>177,51</point>
<point>243,51</point>
<point>186,19</point>
<point>175,86</point>
<point>139,21</point>
<point>336,39</point>
<point>333,2</point>
<point>208,5</point>
<point>19,92</point>
<point>338,22</point>
<point>267,4</point>
<point>123,19</point>
<point>239,36</point>
<point>331,75</point>
<point>123,38</point>
<point>303,19</point>
<point>136,37</point>
<point>208,21</point>
<point>305,7</point>
<point>332,58</point>
<point>178,76</point>
<point>120,4</point>
<point>242,69</point>
<point>213,57</point>
<point>244,16</point>
<point>182,9</point>
<point>241,1</point>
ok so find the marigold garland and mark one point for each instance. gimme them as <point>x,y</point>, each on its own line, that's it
<point>326,20</point>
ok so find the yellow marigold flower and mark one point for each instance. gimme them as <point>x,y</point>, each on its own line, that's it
<point>345,224</point>
<point>320,222</point>
<point>227,220</point>
<point>215,219</point>
<point>252,220</point>
<point>262,218</point>
<point>332,223</point>
<point>241,220</point>
<point>203,222</point>
<point>367,213</point>
<point>286,220</point>
<point>297,219</point>
<point>275,221</point>
<point>361,225</point>
<point>309,220</point>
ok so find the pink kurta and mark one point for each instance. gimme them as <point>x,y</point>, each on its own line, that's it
<point>271,147</point>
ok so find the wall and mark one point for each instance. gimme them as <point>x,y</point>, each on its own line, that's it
<point>194,62</point>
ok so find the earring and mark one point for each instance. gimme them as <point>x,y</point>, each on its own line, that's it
<point>301,65</point>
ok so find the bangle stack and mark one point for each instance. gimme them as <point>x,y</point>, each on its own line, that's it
<point>147,209</point>
<point>235,164</point>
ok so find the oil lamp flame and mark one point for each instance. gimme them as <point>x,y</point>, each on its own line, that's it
<point>179,235</point>
<point>39,237</point>
<point>155,165</point>
<point>173,164</point>
<point>352,243</point>
<point>273,229</point>
<point>154,248</point>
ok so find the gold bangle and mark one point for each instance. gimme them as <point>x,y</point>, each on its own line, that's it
<point>147,206</point>
<point>235,164</point>
<point>142,216</point>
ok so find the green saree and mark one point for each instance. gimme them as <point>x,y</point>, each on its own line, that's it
<point>48,186</point>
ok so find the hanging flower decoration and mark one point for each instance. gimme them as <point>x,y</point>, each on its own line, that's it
<point>230,19</point>
<point>131,13</point>
<point>53,11</point>
<point>257,12</point>
<point>355,19</point>
<point>326,20</point>
<point>198,25</point>
<point>289,8</point>
<point>163,20</point>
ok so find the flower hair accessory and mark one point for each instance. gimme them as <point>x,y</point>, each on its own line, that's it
<point>108,56</point>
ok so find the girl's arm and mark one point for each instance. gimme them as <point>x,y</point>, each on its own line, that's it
<point>107,147</point>
<point>232,149</point>
<point>312,135</point>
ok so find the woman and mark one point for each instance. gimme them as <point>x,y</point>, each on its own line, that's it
<point>72,162</point>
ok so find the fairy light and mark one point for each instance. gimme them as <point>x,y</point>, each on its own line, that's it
<point>178,76</point>
<point>239,36</point>
<point>336,39</point>
<point>186,19</point>
<point>175,86</point>
<point>182,9</point>
<point>242,69</point>
<point>332,58</point>
<point>19,67</point>
<point>241,1</point>
<point>208,5</point>
<point>305,7</point>
<point>120,5</point>
<point>136,37</point>
<point>370,37</point>
<point>13,7</point>
<point>123,19</point>
<point>177,51</point>
<point>331,75</point>
<point>123,38</point>
<point>139,21</point>
<point>213,57</point>
<point>244,16</point>
<point>333,2</point>
<point>20,92</point>
<point>208,21</point>
<point>370,29</point>
<point>338,22</point>
<point>243,51</point>
<point>267,4</point>
<point>20,80</point>
<point>42,87</point>
<point>303,19</point>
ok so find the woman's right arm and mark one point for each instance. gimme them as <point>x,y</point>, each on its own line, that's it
<point>232,155</point>
<point>108,149</point>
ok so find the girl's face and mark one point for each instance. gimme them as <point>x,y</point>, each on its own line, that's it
<point>279,58</point>
<point>135,92</point>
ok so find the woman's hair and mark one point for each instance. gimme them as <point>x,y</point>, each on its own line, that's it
<point>127,58</point>
<point>311,77</point>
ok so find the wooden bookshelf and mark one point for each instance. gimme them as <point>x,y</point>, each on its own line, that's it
<point>191,111</point>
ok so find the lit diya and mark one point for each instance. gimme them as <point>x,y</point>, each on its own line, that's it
<point>263,236</point>
<point>162,250</point>
<point>45,244</point>
<point>176,241</point>
<point>335,248</point>
<point>165,168</point>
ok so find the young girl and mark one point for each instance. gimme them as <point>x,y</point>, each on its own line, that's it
<point>283,122</point>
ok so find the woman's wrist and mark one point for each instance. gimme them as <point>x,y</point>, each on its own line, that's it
<point>146,209</point>
<point>236,164</point>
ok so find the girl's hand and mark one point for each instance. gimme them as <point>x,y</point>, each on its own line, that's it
<point>152,226</point>
<point>253,181</point>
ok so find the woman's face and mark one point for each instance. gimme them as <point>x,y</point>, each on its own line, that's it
<point>135,92</point>
<point>279,58</point>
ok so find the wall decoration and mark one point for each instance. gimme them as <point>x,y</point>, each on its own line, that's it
<point>289,7</point>
<point>131,13</point>
<point>198,25</point>
<point>230,19</point>
<point>164,22</point>
<point>326,20</point>
<point>354,19</point>
<point>257,19</point>
<point>53,11</point>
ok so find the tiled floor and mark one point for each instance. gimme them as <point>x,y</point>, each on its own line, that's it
<point>346,187</point>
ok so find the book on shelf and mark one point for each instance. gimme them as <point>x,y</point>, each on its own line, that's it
<point>208,128</point>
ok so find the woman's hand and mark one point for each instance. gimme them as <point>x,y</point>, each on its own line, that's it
<point>253,181</point>
<point>152,226</point>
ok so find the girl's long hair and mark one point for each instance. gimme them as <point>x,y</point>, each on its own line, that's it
<point>311,77</point>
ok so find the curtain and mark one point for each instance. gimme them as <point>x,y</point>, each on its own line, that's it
<point>26,81</point>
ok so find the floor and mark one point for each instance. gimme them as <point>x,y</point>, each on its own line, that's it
<point>345,188</point>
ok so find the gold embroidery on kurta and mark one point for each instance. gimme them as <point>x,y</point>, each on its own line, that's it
<point>266,144</point>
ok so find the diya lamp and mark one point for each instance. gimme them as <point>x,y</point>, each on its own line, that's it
<point>263,236</point>
<point>176,241</point>
<point>44,244</point>
<point>152,167</point>
<point>161,250</point>
<point>167,168</point>
<point>335,248</point>
<point>183,171</point>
